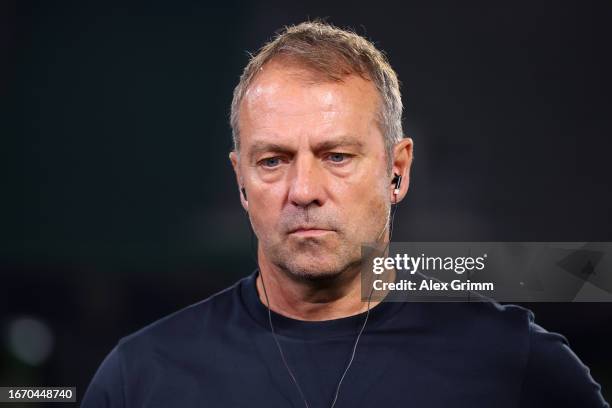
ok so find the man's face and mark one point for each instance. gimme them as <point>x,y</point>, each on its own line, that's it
<point>312,161</point>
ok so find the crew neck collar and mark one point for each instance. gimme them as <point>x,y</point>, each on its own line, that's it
<point>311,330</point>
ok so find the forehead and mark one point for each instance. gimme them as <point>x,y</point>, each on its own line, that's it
<point>286,101</point>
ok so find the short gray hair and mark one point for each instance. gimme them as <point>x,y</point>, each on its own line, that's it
<point>332,53</point>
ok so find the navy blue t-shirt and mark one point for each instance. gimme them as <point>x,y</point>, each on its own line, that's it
<point>220,353</point>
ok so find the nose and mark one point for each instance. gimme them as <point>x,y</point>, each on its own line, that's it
<point>306,183</point>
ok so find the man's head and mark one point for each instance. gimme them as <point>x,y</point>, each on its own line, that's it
<point>316,120</point>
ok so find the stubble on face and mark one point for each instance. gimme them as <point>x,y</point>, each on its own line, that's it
<point>356,205</point>
<point>315,257</point>
<point>330,255</point>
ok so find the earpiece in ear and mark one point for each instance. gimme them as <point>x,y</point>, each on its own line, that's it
<point>397,180</point>
<point>243,191</point>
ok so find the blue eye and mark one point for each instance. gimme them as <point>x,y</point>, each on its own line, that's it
<point>271,162</point>
<point>337,157</point>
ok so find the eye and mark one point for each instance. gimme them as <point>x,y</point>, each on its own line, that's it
<point>338,157</point>
<point>270,162</point>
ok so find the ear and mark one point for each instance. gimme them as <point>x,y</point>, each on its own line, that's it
<point>402,162</point>
<point>235,159</point>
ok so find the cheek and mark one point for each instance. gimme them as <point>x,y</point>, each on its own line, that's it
<point>365,208</point>
<point>264,212</point>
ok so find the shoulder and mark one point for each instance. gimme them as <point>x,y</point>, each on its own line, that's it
<point>145,352</point>
<point>555,376</point>
<point>186,326</point>
<point>549,373</point>
<point>493,333</point>
<point>107,388</point>
<point>483,317</point>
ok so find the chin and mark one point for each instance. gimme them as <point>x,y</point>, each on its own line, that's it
<point>315,259</point>
<point>308,273</point>
<point>315,269</point>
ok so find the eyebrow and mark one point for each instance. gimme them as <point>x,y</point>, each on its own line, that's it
<point>261,147</point>
<point>342,141</point>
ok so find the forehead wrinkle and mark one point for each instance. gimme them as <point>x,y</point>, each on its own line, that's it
<point>274,100</point>
<point>277,104</point>
<point>277,83</point>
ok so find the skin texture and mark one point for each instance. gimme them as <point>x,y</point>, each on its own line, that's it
<point>312,162</point>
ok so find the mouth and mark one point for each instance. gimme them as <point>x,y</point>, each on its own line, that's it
<point>305,232</point>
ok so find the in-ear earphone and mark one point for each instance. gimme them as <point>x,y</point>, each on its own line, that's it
<point>243,191</point>
<point>397,180</point>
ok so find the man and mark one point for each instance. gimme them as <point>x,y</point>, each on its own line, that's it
<point>319,160</point>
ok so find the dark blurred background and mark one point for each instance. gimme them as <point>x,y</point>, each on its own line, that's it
<point>119,202</point>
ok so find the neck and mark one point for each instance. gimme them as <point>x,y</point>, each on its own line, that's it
<point>308,300</point>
